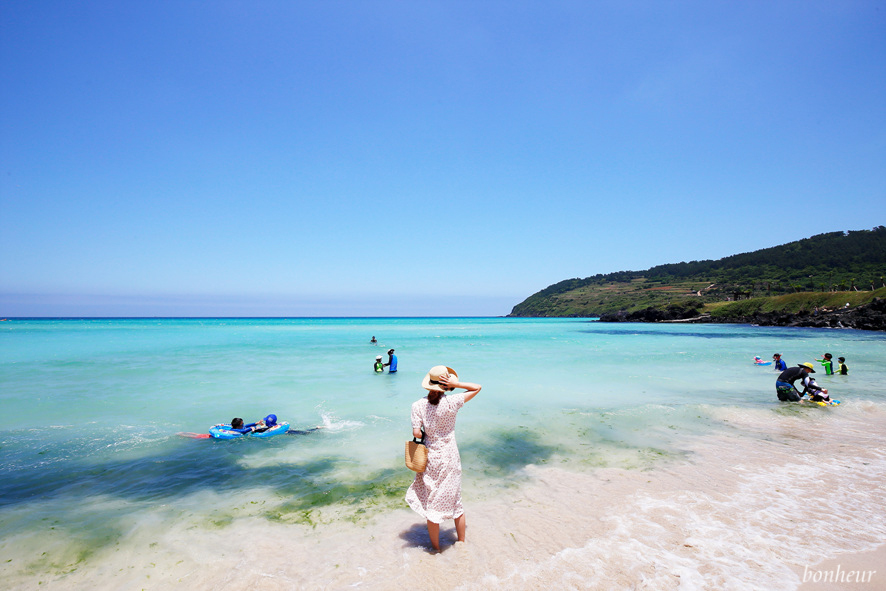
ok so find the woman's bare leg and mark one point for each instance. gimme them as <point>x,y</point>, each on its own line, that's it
<point>434,533</point>
<point>460,527</point>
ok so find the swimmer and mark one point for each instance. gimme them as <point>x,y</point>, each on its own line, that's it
<point>780,365</point>
<point>261,426</point>
<point>379,367</point>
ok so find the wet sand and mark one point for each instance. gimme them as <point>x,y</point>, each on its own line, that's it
<point>858,570</point>
<point>739,510</point>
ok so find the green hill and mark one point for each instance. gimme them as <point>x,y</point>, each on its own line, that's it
<point>836,261</point>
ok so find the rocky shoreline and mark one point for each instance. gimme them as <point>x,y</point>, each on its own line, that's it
<point>870,316</point>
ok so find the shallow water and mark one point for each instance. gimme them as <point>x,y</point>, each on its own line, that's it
<point>595,445</point>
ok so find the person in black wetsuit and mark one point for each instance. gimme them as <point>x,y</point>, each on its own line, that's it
<point>784,384</point>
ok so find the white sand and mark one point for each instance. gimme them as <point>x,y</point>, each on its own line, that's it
<point>743,511</point>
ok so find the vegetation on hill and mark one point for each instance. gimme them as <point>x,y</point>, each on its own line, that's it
<point>828,263</point>
<point>795,303</point>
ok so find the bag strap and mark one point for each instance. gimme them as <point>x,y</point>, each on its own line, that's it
<point>422,442</point>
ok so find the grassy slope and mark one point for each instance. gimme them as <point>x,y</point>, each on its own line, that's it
<point>614,296</point>
<point>827,262</point>
<point>640,294</point>
<point>793,303</point>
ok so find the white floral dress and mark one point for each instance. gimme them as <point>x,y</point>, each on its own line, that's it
<point>435,494</point>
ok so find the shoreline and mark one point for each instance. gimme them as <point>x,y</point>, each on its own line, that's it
<point>735,511</point>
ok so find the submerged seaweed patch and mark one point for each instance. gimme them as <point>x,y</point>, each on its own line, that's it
<point>381,490</point>
<point>63,561</point>
<point>508,451</point>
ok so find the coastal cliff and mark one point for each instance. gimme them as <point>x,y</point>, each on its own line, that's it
<point>808,282</point>
<point>871,316</point>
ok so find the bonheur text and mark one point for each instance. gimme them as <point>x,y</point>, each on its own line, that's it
<point>837,576</point>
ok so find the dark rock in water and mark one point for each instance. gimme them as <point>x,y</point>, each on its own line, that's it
<point>870,316</point>
<point>671,313</point>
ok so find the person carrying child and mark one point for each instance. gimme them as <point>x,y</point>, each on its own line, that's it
<point>784,383</point>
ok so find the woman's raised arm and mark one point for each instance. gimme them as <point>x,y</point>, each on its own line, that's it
<point>472,389</point>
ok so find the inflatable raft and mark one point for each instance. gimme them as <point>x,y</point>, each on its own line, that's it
<point>225,432</point>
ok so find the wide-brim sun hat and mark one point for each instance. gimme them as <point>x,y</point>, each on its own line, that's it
<point>430,380</point>
<point>808,366</point>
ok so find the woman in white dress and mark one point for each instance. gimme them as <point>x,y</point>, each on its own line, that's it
<point>435,494</point>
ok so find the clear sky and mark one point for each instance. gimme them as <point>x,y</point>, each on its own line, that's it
<point>349,158</point>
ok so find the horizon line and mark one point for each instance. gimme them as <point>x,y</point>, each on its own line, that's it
<point>8,318</point>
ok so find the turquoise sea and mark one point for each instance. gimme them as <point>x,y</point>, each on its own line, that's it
<point>98,489</point>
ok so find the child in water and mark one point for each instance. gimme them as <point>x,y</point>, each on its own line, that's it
<point>816,392</point>
<point>842,369</point>
<point>379,366</point>
<point>828,364</point>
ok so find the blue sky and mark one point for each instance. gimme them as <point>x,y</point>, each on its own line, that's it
<point>418,158</point>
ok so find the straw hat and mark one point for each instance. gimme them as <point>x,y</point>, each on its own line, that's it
<point>429,381</point>
<point>808,366</point>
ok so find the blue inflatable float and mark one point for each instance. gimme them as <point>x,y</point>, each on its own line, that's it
<point>226,432</point>
<point>267,427</point>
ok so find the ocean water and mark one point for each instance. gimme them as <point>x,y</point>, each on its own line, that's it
<point>616,455</point>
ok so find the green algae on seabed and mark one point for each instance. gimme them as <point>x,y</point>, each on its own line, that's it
<point>383,491</point>
<point>62,562</point>
<point>505,452</point>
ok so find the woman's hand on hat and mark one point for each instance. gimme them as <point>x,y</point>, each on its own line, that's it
<point>447,381</point>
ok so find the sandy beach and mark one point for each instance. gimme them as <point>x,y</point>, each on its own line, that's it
<point>857,570</point>
<point>736,512</point>
<point>573,478</point>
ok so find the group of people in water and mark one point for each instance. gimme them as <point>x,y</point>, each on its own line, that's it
<point>378,366</point>
<point>785,384</point>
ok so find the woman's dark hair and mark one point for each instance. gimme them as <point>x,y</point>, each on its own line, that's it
<point>237,423</point>
<point>434,396</point>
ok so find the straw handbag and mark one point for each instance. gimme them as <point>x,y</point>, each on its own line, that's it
<point>416,454</point>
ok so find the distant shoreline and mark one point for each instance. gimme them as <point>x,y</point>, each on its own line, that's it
<point>9,318</point>
<point>871,316</point>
